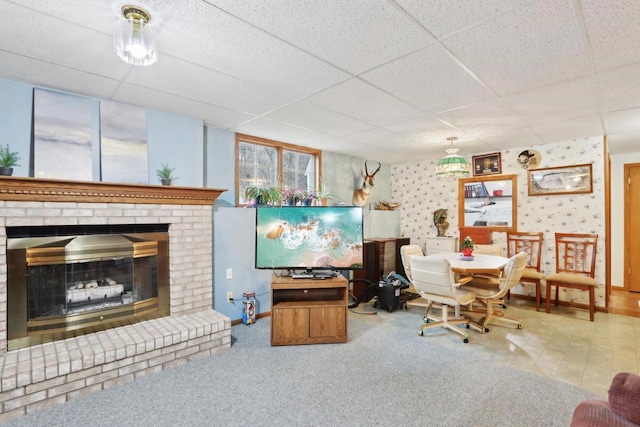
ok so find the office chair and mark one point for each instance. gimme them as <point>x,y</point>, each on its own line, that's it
<point>489,295</point>
<point>435,282</point>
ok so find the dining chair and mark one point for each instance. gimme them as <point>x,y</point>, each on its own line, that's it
<point>531,243</point>
<point>479,235</point>
<point>488,249</point>
<point>435,282</point>
<point>490,295</point>
<point>406,252</point>
<point>575,267</point>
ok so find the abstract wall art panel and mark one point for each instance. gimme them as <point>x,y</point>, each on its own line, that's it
<point>62,136</point>
<point>123,143</point>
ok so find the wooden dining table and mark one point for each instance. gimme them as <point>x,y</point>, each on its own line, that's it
<point>481,263</point>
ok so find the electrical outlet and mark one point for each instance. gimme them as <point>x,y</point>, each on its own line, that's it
<point>229,273</point>
<point>229,296</point>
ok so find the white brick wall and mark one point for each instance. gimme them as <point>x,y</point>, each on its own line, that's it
<point>48,374</point>
<point>190,243</point>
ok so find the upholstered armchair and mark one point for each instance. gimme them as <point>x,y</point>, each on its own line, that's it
<point>622,409</point>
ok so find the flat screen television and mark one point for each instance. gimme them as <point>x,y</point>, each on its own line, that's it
<point>309,238</point>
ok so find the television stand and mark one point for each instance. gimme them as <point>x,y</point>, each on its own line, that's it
<point>308,311</point>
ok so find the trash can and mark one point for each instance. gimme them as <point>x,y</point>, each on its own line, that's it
<point>248,308</point>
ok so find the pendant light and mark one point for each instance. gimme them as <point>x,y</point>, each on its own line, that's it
<point>452,164</point>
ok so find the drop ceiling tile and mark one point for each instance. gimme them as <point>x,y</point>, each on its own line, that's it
<point>510,138</point>
<point>282,132</point>
<point>361,101</point>
<point>98,15</point>
<point>213,115</point>
<point>207,86</point>
<point>613,31</point>
<point>533,46</point>
<point>425,128</point>
<point>230,46</point>
<point>75,46</point>
<point>368,33</point>
<point>583,127</point>
<point>319,119</point>
<point>616,92</point>
<point>483,119</point>
<point>380,138</point>
<point>342,146</point>
<point>428,79</point>
<point>443,18</point>
<point>557,102</point>
<point>625,121</point>
<point>52,76</point>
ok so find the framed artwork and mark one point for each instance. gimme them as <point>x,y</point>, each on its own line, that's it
<point>123,143</point>
<point>573,179</point>
<point>487,164</point>
<point>62,129</point>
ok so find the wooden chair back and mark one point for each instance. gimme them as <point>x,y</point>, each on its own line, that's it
<point>526,241</point>
<point>576,253</point>
<point>479,235</point>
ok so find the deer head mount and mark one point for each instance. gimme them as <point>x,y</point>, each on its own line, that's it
<point>361,194</point>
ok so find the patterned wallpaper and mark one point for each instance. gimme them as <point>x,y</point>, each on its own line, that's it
<point>421,192</point>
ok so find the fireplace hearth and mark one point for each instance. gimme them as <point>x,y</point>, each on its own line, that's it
<point>67,281</point>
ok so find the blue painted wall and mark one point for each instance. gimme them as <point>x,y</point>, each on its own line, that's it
<point>178,141</point>
<point>202,157</point>
<point>15,121</point>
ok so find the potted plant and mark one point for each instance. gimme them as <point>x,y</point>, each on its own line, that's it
<point>467,246</point>
<point>165,174</point>
<point>8,160</point>
<point>323,195</point>
<point>262,196</point>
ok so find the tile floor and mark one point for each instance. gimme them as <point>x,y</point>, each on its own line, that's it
<point>562,344</point>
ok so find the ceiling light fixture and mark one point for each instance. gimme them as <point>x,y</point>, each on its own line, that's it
<point>135,40</point>
<point>452,164</point>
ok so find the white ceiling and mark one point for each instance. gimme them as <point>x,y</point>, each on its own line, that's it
<point>381,80</point>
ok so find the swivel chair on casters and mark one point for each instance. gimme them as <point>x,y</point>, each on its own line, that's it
<point>434,280</point>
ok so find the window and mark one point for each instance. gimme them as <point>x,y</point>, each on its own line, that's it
<point>265,163</point>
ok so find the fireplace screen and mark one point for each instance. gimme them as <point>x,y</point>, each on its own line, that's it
<point>66,284</point>
<point>60,290</point>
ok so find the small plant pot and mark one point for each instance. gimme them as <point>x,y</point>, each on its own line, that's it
<point>165,181</point>
<point>6,171</point>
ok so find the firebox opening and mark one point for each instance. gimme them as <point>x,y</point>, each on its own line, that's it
<point>71,284</point>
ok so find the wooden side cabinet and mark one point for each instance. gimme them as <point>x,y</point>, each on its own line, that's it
<point>441,244</point>
<point>308,311</point>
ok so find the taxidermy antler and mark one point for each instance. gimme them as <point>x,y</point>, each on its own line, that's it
<point>361,194</point>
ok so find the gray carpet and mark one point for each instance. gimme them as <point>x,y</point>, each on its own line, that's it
<point>385,375</point>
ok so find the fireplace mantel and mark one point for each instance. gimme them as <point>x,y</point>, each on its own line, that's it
<point>55,190</point>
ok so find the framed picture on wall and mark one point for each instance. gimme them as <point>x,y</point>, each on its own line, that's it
<point>487,164</point>
<point>573,179</point>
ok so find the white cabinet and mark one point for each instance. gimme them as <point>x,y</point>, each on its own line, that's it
<point>441,244</point>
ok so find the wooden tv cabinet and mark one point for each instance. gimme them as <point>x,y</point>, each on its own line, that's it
<point>308,311</point>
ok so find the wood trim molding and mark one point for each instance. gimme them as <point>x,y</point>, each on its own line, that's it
<point>54,190</point>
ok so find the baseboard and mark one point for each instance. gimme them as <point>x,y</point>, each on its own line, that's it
<point>258,316</point>
<point>562,303</point>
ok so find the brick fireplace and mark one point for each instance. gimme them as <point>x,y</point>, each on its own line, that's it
<point>54,372</point>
